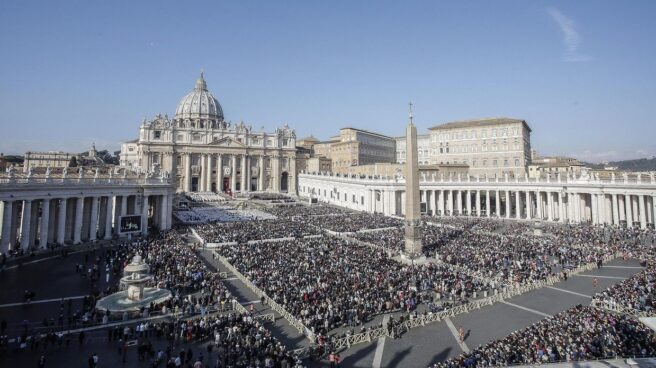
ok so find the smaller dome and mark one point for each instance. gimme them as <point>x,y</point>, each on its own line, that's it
<point>199,104</point>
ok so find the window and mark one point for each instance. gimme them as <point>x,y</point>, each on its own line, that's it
<point>484,162</point>
<point>157,134</point>
<point>494,163</point>
<point>516,162</point>
<point>285,142</point>
<point>505,162</point>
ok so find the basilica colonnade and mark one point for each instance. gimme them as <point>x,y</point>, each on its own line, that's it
<point>38,212</point>
<point>625,202</point>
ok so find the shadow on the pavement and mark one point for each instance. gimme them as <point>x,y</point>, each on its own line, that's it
<point>442,356</point>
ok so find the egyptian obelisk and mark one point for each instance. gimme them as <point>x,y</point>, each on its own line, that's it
<point>413,237</point>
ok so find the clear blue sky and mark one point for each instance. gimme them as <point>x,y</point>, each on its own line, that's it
<point>582,73</point>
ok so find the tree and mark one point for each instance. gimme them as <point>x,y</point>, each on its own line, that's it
<point>72,162</point>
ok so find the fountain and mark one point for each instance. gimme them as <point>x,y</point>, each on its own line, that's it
<point>134,294</point>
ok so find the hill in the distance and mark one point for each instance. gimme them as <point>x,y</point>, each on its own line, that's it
<point>641,164</point>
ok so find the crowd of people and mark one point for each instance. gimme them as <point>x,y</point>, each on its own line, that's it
<point>305,210</point>
<point>353,222</point>
<point>577,334</point>
<point>224,340</point>
<point>434,237</point>
<point>205,197</point>
<point>201,214</point>
<point>328,282</point>
<point>637,293</point>
<point>244,231</point>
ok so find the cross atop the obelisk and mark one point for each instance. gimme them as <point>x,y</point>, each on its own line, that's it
<point>410,108</point>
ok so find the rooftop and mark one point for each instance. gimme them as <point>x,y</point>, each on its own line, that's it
<point>479,123</point>
<point>368,132</point>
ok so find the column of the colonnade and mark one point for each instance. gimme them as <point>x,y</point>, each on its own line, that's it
<point>26,224</point>
<point>144,215</point>
<point>497,203</point>
<point>244,174</point>
<point>440,202</point>
<point>487,203</point>
<point>468,202</point>
<point>260,173</point>
<point>450,202</point>
<point>518,205</point>
<point>457,202</point>
<point>601,208</point>
<point>594,208</point>
<point>616,216</point>
<point>539,213</point>
<point>7,223</point>
<point>275,177</point>
<point>508,204</point>
<point>61,221</point>
<point>478,203</point>
<point>187,168</point>
<point>628,209</point>
<point>209,178</point>
<point>634,206</point>
<point>561,207</point>
<point>233,174</point>
<point>45,223</point>
<point>108,219</point>
<point>77,230</point>
<point>643,213</point>
<point>550,204</point>
<point>219,173</point>
<point>528,205</point>
<point>621,208</point>
<point>93,222</point>
<point>164,213</point>
<point>202,158</point>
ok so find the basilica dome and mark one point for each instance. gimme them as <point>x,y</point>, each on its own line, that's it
<point>199,104</point>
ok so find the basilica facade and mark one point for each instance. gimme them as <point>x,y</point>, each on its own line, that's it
<point>205,153</point>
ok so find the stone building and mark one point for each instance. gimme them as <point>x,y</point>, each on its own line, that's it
<point>203,152</point>
<point>543,166</point>
<point>53,159</point>
<point>423,149</point>
<point>492,147</point>
<point>354,147</point>
<point>60,160</point>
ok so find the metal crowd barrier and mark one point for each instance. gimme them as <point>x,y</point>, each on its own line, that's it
<point>422,320</point>
<point>275,306</point>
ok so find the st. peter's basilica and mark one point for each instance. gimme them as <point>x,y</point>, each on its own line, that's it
<point>203,152</point>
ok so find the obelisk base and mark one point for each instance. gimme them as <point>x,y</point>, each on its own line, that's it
<point>411,259</point>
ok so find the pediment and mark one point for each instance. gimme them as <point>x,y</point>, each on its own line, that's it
<point>227,142</point>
